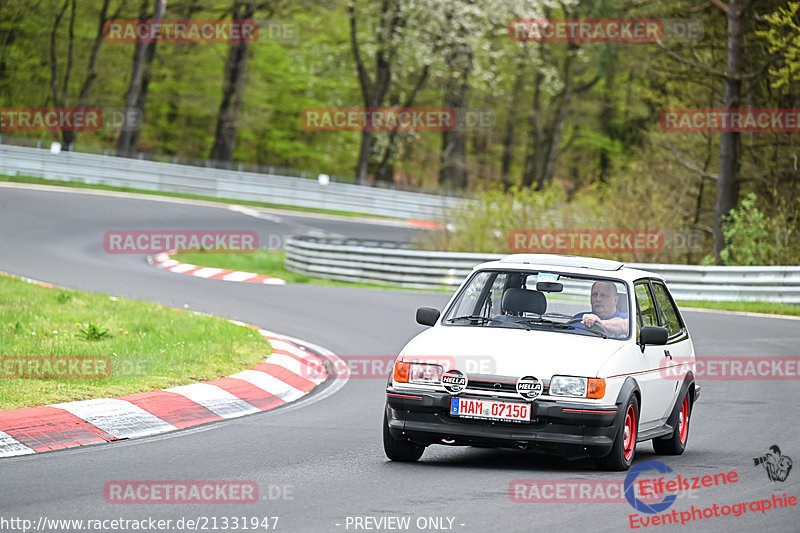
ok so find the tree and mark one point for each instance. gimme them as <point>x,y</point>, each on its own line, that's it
<point>509,135</point>
<point>556,83</point>
<point>60,95</point>
<point>181,63</point>
<point>143,55</point>
<point>727,186</point>
<point>232,88</point>
<point>400,45</point>
<point>465,22</point>
<point>547,119</point>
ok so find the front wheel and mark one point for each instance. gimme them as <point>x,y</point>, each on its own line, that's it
<point>399,450</point>
<point>676,443</point>
<point>624,448</point>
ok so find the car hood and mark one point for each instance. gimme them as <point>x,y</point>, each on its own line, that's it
<point>513,352</point>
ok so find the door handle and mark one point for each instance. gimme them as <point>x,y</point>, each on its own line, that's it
<point>667,354</point>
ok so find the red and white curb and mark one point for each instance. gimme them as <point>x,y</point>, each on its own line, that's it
<point>164,261</point>
<point>288,374</point>
<point>425,224</point>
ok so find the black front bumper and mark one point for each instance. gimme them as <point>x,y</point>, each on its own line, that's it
<point>560,428</point>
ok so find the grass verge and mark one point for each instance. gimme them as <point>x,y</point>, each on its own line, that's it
<point>149,346</point>
<point>101,187</point>
<point>769,308</point>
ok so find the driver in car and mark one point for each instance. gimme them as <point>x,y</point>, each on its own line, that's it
<point>604,299</point>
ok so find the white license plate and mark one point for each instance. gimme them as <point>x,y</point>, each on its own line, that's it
<point>490,410</point>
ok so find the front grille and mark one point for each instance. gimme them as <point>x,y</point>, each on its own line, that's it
<point>492,386</point>
<point>498,386</point>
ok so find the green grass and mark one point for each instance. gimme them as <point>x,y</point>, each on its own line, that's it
<point>270,263</point>
<point>750,307</point>
<point>101,187</point>
<point>149,346</point>
<point>261,261</point>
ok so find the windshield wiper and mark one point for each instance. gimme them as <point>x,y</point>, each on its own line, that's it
<point>531,323</point>
<point>557,325</point>
<point>538,321</point>
<point>474,317</point>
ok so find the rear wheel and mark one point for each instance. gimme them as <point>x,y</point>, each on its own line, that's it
<point>399,450</point>
<point>624,448</point>
<point>676,443</point>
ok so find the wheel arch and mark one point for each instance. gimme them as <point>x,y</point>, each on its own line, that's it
<point>689,388</point>
<point>629,388</point>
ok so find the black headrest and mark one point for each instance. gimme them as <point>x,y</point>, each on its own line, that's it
<point>524,301</point>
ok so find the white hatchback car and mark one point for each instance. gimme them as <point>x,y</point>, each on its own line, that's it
<point>572,356</point>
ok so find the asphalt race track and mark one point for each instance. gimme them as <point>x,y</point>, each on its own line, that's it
<point>326,456</point>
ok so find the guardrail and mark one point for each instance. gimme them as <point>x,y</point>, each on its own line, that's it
<point>389,264</point>
<point>220,183</point>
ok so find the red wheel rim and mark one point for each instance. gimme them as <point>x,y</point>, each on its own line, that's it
<point>629,433</point>
<point>683,421</point>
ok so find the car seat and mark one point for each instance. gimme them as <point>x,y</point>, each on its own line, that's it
<point>518,301</point>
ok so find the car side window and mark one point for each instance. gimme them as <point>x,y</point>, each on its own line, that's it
<point>669,314</point>
<point>647,312</point>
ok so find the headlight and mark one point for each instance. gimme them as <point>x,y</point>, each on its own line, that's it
<point>568,386</point>
<point>577,387</point>
<point>425,374</point>
<point>419,373</point>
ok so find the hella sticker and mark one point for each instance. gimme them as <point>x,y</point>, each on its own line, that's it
<point>529,387</point>
<point>454,381</point>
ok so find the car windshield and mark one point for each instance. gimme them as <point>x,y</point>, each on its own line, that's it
<point>552,301</point>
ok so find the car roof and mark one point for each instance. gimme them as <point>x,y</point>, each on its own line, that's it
<point>568,264</point>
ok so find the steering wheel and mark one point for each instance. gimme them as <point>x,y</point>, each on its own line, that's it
<point>597,326</point>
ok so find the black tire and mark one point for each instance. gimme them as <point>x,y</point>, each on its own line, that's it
<point>399,450</point>
<point>676,443</point>
<point>624,449</point>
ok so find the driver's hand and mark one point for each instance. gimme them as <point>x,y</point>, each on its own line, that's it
<point>589,320</point>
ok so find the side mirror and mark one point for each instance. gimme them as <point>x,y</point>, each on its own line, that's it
<point>427,316</point>
<point>655,335</point>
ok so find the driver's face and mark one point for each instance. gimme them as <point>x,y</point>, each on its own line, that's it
<point>604,299</point>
